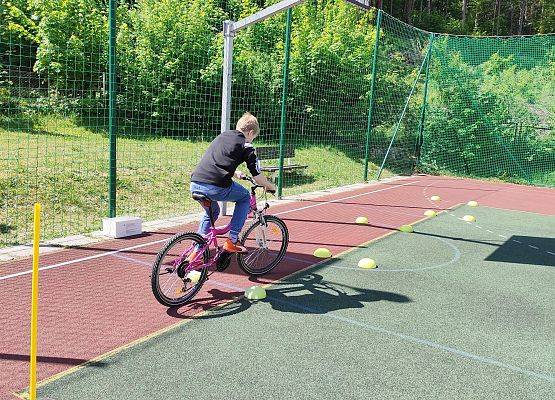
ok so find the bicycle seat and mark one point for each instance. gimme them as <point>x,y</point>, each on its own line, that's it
<point>202,198</point>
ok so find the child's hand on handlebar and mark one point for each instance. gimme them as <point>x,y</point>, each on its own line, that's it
<point>240,175</point>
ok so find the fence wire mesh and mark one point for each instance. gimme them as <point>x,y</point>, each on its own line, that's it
<point>481,107</point>
<point>490,110</point>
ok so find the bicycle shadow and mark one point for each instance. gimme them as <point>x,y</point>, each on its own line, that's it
<point>306,294</point>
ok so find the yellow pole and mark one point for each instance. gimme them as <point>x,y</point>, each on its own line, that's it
<point>34,305</point>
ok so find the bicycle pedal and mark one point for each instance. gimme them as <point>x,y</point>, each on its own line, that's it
<point>224,261</point>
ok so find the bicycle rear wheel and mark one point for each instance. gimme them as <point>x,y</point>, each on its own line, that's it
<point>171,284</point>
<point>266,243</point>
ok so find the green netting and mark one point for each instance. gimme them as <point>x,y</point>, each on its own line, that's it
<point>402,54</point>
<point>169,66</point>
<point>488,111</point>
<point>53,108</point>
<point>491,108</point>
<point>327,92</point>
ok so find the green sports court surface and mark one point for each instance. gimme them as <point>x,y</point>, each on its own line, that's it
<point>455,310</point>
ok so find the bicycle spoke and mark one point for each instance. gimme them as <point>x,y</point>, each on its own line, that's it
<point>256,252</point>
<point>267,243</point>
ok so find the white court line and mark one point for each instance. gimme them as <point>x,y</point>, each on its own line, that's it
<point>553,254</point>
<point>77,260</point>
<point>405,337</point>
<point>399,335</point>
<point>110,253</point>
<point>518,241</point>
<point>503,236</point>
<point>534,247</point>
<point>344,198</point>
<point>456,257</point>
<point>134,260</point>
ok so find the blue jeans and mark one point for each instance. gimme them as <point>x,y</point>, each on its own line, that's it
<point>235,193</point>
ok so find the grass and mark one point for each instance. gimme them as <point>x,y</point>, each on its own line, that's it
<point>64,166</point>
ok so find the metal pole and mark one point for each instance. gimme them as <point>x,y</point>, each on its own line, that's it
<point>423,111</point>
<point>372,92</point>
<point>227,74</point>
<point>265,13</point>
<point>226,84</point>
<point>34,304</point>
<point>284,101</point>
<point>112,117</point>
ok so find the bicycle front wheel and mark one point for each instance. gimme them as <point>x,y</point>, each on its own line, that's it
<point>266,242</point>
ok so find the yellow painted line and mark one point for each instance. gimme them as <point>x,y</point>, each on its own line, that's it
<point>23,394</point>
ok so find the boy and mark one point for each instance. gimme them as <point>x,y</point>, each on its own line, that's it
<point>212,177</point>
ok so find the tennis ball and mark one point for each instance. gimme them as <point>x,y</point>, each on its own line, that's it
<point>469,218</point>
<point>472,203</point>
<point>406,228</point>
<point>194,276</point>
<point>435,198</point>
<point>361,220</point>
<point>430,213</point>
<point>367,263</point>
<point>255,293</point>
<point>322,253</point>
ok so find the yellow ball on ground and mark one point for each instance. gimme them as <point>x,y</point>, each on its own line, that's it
<point>193,276</point>
<point>322,252</point>
<point>469,218</point>
<point>472,203</point>
<point>255,293</point>
<point>430,213</point>
<point>406,228</point>
<point>361,220</point>
<point>435,198</point>
<point>367,263</point>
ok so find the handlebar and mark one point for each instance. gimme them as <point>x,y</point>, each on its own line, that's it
<point>255,185</point>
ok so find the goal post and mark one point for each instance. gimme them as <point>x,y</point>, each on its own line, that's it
<point>230,32</point>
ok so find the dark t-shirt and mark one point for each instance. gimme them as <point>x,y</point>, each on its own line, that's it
<point>226,152</point>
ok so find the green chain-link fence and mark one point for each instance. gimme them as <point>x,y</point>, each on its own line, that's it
<point>467,106</point>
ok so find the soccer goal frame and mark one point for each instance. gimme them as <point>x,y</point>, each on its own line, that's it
<point>230,29</point>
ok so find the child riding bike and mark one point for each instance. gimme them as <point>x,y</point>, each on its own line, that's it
<point>213,177</point>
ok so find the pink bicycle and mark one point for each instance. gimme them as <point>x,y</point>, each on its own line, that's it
<point>188,259</point>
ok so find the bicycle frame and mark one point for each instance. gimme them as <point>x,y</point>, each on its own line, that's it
<point>211,239</point>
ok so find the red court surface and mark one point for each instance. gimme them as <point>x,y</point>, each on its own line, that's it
<point>95,299</point>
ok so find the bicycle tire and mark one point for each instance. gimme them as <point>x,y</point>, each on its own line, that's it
<point>155,283</point>
<point>241,258</point>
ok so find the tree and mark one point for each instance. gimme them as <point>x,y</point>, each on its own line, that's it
<point>521,16</point>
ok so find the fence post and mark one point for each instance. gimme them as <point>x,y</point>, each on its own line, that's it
<point>420,140</point>
<point>112,117</point>
<point>372,92</point>
<point>284,101</point>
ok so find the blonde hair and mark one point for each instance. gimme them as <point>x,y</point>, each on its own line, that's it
<point>248,123</point>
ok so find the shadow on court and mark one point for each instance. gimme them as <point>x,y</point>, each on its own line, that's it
<point>305,294</point>
<point>525,250</point>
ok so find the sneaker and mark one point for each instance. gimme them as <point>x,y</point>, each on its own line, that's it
<point>231,247</point>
